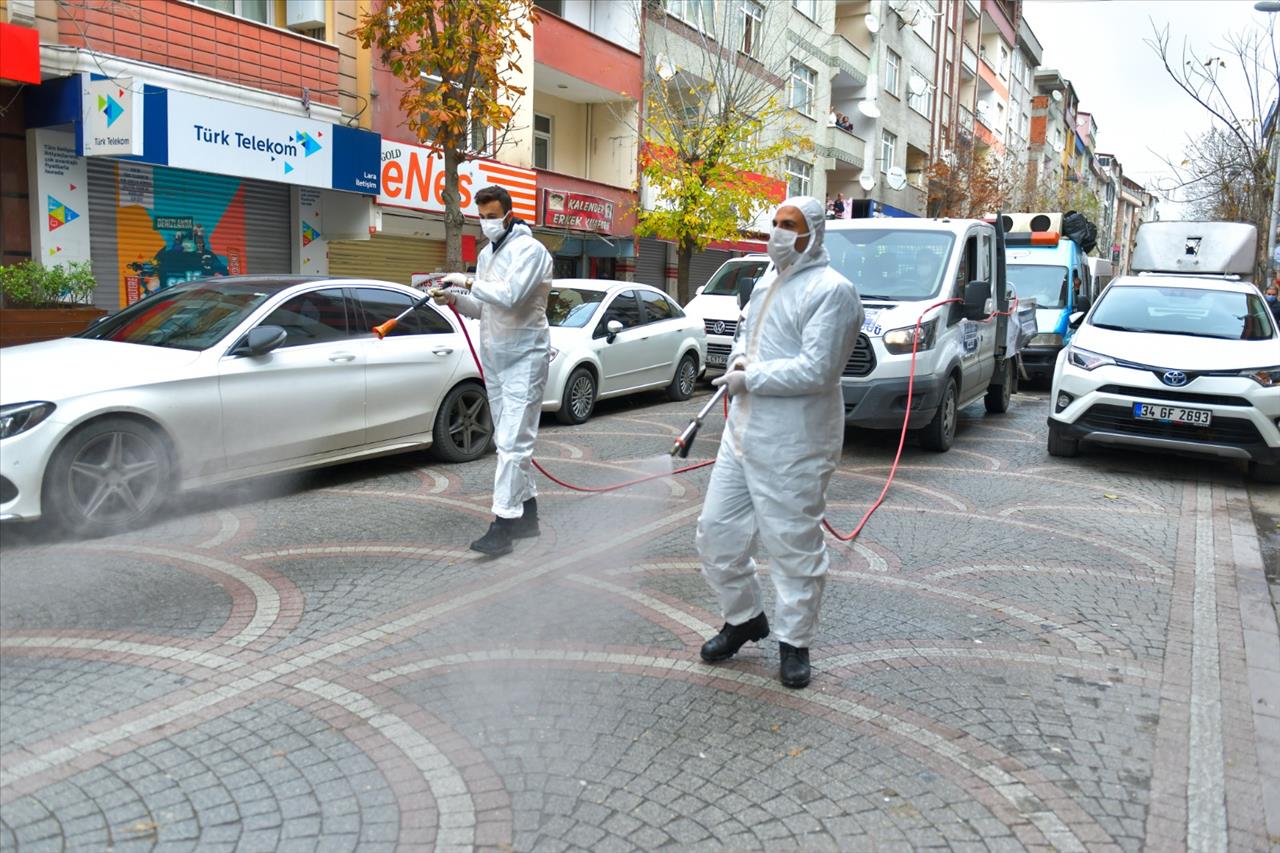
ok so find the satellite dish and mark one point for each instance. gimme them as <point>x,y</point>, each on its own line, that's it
<point>867,181</point>
<point>917,84</point>
<point>896,178</point>
<point>873,24</point>
<point>869,109</point>
<point>663,67</point>
<point>1057,95</point>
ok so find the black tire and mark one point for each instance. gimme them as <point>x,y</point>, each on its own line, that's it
<point>686,379</point>
<point>464,427</point>
<point>110,475</point>
<point>1062,445</point>
<point>940,433</point>
<point>1263,473</point>
<point>998,396</point>
<point>579,399</point>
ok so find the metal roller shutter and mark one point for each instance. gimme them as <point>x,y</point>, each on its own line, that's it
<point>651,265</point>
<point>704,266</point>
<point>245,226</point>
<point>385,257</point>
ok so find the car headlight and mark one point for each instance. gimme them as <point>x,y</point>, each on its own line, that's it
<point>1268,377</point>
<point>1086,360</point>
<point>19,417</point>
<point>899,341</point>
<point>1046,340</point>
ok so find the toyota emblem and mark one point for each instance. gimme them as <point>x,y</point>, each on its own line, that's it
<point>719,327</point>
<point>1176,378</point>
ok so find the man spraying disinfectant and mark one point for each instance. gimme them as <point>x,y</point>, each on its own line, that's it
<point>781,444</point>
<point>509,296</point>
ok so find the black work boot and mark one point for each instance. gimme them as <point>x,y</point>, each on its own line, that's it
<point>731,638</point>
<point>526,526</point>
<point>794,668</point>
<point>497,541</point>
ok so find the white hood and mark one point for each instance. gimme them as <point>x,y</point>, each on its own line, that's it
<point>1178,352</point>
<point>70,367</point>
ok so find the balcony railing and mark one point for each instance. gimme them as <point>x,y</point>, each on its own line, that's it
<point>969,60</point>
<point>847,59</point>
<point>966,120</point>
<point>843,149</point>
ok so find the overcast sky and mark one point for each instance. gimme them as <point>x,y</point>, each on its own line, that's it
<point>1099,46</point>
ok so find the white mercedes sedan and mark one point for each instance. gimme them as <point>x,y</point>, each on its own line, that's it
<point>226,378</point>
<point>610,338</point>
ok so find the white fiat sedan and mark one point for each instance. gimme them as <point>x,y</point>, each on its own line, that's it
<point>1175,363</point>
<point>610,338</point>
<point>226,378</point>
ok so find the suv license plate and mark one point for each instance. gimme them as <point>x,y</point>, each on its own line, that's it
<point>1174,414</point>
<point>714,360</point>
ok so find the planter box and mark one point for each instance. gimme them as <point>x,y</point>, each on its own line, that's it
<point>29,325</point>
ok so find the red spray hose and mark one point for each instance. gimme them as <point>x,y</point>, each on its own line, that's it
<point>893,470</point>
<point>548,474</point>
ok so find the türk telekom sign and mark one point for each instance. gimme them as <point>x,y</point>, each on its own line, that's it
<point>564,209</point>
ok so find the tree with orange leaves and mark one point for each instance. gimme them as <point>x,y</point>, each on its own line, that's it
<point>458,63</point>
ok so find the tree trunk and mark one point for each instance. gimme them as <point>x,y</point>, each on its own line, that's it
<point>452,213</point>
<point>684,260</point>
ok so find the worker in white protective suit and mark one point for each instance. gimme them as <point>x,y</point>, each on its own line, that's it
<point>781,444</point>
<point>509,296</point>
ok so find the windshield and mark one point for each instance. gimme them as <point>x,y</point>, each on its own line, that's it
<point>572,307</point>
<point>1046,285</point>
<point>192,316</point>
<point>885,263</point>
<point>726,280</point>
<point>1184,311</point>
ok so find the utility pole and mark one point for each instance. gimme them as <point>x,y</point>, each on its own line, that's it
<point>1272,6</point>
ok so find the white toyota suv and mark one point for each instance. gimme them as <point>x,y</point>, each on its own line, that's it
<point>1166,360</point>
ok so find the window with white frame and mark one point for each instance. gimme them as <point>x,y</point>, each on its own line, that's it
<point>699,14</point>
<point>888,148</point>
<point>925,15</point>
<point>541,141</point>
<point>1003,68</point>
<point>807,7</point>
<point>799,177</point>
<point>892,62</point>
<point>803,82</point>
<point>253,10</point>
<point>752,17</point>
<point>923,101</point>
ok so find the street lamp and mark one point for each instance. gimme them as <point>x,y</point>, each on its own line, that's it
<point>1267,5</point>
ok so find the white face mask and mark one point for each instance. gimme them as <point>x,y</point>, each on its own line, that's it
<point>493,228</point>
<point>782,247</point>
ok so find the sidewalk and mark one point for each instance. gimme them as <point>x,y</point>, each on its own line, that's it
<point>1020,653</point>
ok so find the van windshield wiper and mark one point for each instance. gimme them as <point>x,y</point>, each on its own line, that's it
<point>866,296</point>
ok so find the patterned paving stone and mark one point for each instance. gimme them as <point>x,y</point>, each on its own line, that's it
<point>1020,653</point>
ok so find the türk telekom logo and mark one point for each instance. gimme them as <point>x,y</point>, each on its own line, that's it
<point>110,107</point>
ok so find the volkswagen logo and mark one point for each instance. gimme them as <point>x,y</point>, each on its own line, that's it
<point>1176,378</point>
<point>719,327</point>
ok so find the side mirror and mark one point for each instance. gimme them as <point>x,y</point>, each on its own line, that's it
<point>976,294</point>
<point>701,288</point>
<point>1076,319</point>
<point>613,327</point>
<point>261,341</point>
<point>745,287</point>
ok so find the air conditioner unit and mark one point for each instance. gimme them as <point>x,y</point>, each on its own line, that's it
<point>304,14</point>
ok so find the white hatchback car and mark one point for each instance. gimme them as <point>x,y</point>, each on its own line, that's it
<point>610,338</point>
<point>215,380</point>
<point>1174,363</point>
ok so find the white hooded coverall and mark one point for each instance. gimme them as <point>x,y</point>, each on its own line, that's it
<point>509,296</point>
<point>782,441</point>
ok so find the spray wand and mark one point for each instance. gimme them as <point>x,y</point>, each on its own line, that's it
<point>384,329</point>
<point>685,441</point>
